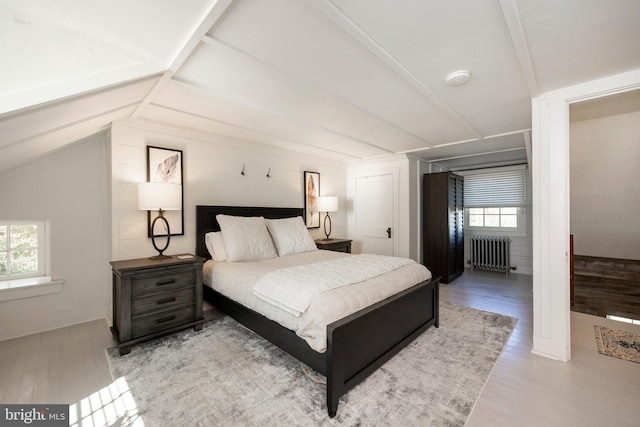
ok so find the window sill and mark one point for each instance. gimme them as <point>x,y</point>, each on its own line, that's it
<point>486,231</point>
<point>27,288</point>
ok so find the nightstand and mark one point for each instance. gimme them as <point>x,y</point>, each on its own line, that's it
<point>152,298</point>
<point>338,245</point>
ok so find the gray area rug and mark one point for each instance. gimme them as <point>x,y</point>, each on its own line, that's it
<point>225,375</point>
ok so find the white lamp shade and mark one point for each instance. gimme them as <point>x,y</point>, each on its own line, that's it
<point>327,204</point>
<point>153,196</point>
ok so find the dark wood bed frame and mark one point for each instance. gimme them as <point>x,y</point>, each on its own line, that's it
<point>358,344</point>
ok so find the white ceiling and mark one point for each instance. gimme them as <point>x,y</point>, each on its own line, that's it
<point>342,79</point>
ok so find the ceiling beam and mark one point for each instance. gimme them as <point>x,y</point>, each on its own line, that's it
<point>292,143</point>
<point>484,153</point>
<point>466,141</point>
<point>284,115</point>
<point>217,9</point>
<point>215,41</point>
<point>511,17</point>
<point>333,12</point>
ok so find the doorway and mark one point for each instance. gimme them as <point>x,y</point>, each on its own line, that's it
<point>604,154</point>
<point>550,175</point>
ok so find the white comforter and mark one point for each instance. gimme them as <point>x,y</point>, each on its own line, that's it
<point>236,281</point>
<point>292,289</point>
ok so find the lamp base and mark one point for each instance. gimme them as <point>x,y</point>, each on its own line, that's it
<point>327,233</point>
<point>159,257</point>
<point>153,237</point>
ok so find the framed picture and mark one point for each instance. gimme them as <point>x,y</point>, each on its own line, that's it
<point>165,165</point>
<point>311,194</point>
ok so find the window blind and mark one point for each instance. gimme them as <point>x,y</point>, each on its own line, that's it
<point>500,188</point>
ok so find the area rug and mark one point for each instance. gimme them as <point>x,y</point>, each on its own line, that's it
<point>225,375</point>
<point>621,344</point>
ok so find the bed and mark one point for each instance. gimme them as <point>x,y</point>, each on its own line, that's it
<point>357,344</point>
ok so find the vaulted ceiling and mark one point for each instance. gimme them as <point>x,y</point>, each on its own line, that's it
<point>342,79</point>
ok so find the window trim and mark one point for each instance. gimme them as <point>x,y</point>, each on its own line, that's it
<point>30,287</point>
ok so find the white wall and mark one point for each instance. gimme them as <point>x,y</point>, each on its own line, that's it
<point>89,193</point>
<point>605,175</point>
<point>212,166</point>
<point>69,188</point>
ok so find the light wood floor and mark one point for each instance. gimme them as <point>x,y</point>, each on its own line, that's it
<point>68,365</point>
<point>529,390</point>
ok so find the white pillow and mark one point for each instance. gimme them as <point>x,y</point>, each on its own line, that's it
<point>215,245</point>
<point>290,235</point>
<point>246,238</point>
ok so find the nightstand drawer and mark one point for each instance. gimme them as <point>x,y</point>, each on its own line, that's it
<point>159,321</point>
<point>163,282</point>
<point>162,301</point>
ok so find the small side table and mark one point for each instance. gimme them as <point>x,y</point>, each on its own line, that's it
<point>152,298</point>
<point>337,245</point>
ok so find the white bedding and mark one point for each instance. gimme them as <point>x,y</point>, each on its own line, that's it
<point>292,289</point>
<point>236,281</point>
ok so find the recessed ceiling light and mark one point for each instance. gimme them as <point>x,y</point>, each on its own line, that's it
<point>458,78</point>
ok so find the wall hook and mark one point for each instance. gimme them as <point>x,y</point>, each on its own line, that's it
<point>242,173</point>
<point>269,173</point>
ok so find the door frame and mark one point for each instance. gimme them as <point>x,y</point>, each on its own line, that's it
<point>551,211</point>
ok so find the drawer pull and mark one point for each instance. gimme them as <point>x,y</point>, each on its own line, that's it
<point>166,282</point>
<point>166,300</point>
<point>166,319</point>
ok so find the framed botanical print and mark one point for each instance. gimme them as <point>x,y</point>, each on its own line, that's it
<point>165,165</point>
<point>311,194</point>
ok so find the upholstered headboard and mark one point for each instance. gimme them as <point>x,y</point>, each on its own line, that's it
<point>206,219</point>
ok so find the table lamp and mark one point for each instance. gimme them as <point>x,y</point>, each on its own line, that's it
<point>160,196</point>
<point>327,204</point>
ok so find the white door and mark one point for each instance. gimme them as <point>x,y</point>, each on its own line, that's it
<point>374,209</point>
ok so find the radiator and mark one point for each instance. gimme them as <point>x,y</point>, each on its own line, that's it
<point>490,253</point>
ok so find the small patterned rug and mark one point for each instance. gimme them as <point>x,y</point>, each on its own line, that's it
<point>620,344</point>
<point>226,375</point>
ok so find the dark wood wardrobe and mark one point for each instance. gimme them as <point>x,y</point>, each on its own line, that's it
<point>442,224</point>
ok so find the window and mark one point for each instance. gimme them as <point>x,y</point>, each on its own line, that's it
<point>493,217</point>
<point>495,199</point>
<point>22,249</point>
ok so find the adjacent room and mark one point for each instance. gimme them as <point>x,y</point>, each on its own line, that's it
<point>320,212</point>
<point>604,154</point>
